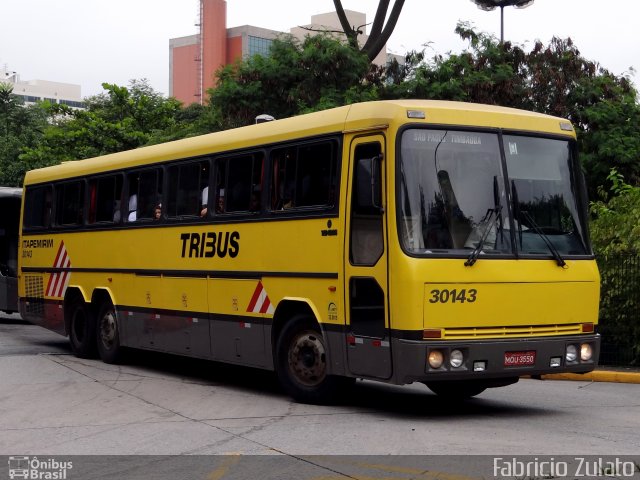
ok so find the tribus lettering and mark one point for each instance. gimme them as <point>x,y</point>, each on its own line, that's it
<point>210,244</point>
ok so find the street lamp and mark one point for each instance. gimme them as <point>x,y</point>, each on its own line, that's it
<point>489,5</point>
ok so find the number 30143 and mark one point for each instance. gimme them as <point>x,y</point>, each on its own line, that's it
<point>453,296</point>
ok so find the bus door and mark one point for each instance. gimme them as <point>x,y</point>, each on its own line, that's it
<point>367,322</point>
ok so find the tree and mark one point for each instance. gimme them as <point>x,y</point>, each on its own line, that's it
<point>615,233</point>
<point>379,34</point>
<point>297,77</point>
<point>120,119</point>
<point>20,126</point>
<point>615,225</point>
<point>553,79</point>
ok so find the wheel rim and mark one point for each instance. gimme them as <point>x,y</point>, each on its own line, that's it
<point>307,359</point>
<point>108,329</point>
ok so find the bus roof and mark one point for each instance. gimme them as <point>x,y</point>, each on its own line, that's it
<point>359,116</point>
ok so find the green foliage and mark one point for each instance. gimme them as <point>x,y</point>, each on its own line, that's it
<point>615,227</point>
<point>119,119</point>
<point>615,233</point>
<point>297,77</point>
<point>20,126</point>
<point>553,79</point>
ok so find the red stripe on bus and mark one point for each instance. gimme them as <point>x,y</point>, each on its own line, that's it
<point>265,305</point>
<point>256,296</point>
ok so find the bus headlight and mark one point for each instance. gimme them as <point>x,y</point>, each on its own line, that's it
<point>571,353</point>
<point>435,359</point>
<point>456,358</point>
<point>586,352</point>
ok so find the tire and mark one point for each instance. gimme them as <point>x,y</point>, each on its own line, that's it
<point>108,334</point>
<point>301,363</point>
<point>456,390</point>
<point>81,329</point>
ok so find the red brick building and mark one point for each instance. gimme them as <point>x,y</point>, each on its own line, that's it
<point>193,60</point>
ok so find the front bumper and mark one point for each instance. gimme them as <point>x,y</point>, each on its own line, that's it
<point>410,358</point>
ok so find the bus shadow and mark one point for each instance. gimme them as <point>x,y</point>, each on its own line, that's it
<point>12,320</point>
<point>399,401</point>
<point>252,380</point>
<point>61,346</point>
<point>411,402</point>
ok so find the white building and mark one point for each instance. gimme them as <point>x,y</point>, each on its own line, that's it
<point>32,91</point>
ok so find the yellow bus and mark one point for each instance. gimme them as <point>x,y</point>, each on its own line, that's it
<point>399,241</point>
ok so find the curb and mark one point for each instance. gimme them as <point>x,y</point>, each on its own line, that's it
<point>597,376</point>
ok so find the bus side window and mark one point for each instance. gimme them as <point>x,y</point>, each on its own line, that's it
<point>186,185</point>
<point>283,178</point>
<point>244,183</point>
<point>69,203</point>
<point>105,199</point>
<point>315,174</point>
<point>145,193</point>
<point>304,176</point>
<point>367,234</point>
<point>38,206</point>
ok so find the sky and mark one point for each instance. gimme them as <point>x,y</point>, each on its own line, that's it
<point>88,42</point>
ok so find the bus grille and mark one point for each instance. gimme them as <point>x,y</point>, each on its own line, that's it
<point>512,332</point>
<point>34,293</point>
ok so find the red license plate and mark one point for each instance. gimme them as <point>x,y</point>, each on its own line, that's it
<point>519,359</point>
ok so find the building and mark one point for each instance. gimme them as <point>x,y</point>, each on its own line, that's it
<point>32,91</point>
<point>194,59</point>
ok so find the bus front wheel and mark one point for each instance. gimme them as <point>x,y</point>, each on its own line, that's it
<point>108,334</point>
<point>301,362</point>
<point>81,329</point>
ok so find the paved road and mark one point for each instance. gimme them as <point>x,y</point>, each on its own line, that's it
<point>53,403</point>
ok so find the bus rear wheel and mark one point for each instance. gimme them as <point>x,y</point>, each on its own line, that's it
<point>301,363</point>
<point>108,334</point>
<point>81,329</point>
<point>453,390</point>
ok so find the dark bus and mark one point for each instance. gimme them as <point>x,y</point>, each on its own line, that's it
<point>10,199</point>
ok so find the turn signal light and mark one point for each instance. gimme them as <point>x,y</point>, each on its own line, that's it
<point>432,333</point>
<point>587,328</point>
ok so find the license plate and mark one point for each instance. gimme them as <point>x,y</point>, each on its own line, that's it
<point>519,359</point>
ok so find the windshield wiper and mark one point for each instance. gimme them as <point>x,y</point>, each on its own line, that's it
<point>536,228</point>
<point>490,219</point>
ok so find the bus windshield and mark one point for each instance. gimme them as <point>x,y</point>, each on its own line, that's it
<point>452,195</point>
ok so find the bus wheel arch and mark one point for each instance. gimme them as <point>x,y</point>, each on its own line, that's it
<point>108,327</point>
<point>79,323</point>
<point>286,310</point>
<point>301,357</point>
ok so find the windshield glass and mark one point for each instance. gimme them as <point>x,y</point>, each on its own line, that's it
<point>544,195</point>
<point>452,195</point>
<point>452,192</point>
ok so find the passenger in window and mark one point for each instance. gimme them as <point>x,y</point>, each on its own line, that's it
<point>287,201</point>
<point>220,201</point>
<point>157,212</point>
<point>133,208</point>
<point>116,211</point>
<point>205,202</point>
<point>254,202</point>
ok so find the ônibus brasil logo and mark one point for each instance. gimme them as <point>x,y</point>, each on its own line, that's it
<point>33,468</point>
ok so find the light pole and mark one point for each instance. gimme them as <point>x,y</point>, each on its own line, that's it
<point>489,5</point>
